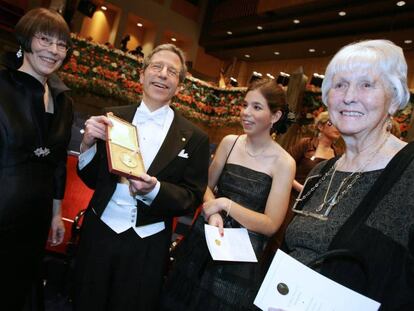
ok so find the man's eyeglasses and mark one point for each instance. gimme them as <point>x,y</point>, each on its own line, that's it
<point>47,42</point>
<point>158,67</point>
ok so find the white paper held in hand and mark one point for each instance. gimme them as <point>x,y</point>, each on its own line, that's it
<point>291,286</point>
<point>235,245</point>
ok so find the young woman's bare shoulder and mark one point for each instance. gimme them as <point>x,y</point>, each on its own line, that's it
<point>228,141</point>
<point>283,158</point>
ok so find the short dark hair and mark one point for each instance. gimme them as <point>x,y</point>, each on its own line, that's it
<point>172,48</point>
<point>44,21</point>
<point>276,99</point>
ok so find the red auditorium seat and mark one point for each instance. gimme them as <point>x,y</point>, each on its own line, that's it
<point>77,197</point>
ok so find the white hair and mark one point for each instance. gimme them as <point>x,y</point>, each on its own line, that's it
<point>380,56</point>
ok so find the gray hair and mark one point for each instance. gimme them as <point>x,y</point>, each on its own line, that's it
<point>382,56</point>
<point>172,48</point>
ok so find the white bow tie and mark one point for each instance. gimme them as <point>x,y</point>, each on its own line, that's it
<point>158,116</point>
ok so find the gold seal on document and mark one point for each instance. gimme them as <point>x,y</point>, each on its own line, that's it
<point>218,242</point>
<point>128,160</point>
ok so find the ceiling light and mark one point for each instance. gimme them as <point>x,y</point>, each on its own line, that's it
<point>104,8</point>
<point>296,21</point>
<point>229,32</point>
<point>270,76</point>
<point>173,39</point>
<point>342,13</point>
<point>283,78</point>
<point>276,53</point>
<point>247,55</point>
<point>139,24</point>
<point>259,27</point>
<point>400,3</point>
<point>408,41</point>
<point>233,82</point>
<point>312,50</point>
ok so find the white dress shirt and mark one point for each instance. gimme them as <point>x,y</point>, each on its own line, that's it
<point>121,212</point>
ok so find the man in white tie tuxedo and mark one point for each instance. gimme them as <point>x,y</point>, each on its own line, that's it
<point>126,231</point>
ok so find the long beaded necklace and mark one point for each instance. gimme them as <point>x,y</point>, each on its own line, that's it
<point>345,185</point>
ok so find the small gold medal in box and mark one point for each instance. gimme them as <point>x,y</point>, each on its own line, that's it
<point>124,155</point>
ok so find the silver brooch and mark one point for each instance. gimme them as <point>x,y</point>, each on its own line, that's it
<point>41,152</point>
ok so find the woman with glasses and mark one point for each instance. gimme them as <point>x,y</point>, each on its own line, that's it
<point>253,176</point>
<point>35,126</point>
<point>354,218</point>
<point>310,151</point>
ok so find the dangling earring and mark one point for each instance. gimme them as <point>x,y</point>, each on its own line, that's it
<point>19,52</point>
<point>389,124</point>
<point>272,131</point>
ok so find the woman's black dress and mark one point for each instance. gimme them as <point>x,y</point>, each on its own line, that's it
<point>32,173</point>
<point>196,282</point>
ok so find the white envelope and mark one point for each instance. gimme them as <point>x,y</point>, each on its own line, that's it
<point>235,245</point>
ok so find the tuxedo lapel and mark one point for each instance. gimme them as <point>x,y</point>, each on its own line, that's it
<point>129,114</point>
<point>124,112</point>
<point>175,141</point>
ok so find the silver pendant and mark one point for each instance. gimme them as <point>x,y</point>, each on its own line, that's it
<point>320,207</point>
<point>328,210</point>
<point>330,203</point>
<point>41,152</point>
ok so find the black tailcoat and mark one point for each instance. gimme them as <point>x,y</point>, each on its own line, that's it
<point>183,183</point>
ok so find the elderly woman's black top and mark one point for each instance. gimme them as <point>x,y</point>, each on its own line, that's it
<point>378,244</point>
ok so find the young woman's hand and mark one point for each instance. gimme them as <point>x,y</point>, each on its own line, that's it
<point>217,221</point>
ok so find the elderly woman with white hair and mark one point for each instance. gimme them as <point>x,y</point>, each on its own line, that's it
<point>354,218</point>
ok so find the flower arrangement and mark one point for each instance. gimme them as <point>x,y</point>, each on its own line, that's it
<point>403,117</point>
<point>312,106</point>
<point>108,72</point>
<point>103,71</point>
<point>208,104</point>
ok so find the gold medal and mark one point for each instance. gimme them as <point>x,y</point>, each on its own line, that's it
<point>128,160</point>
<point>282,288</point>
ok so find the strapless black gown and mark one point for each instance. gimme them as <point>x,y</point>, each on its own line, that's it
<point>196,282</point>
